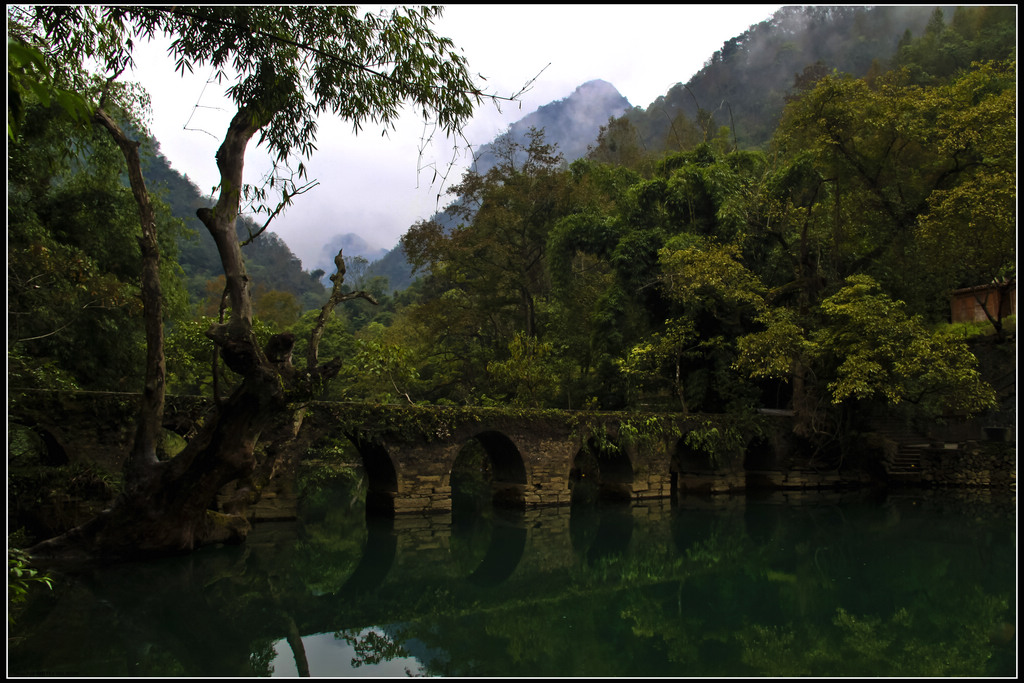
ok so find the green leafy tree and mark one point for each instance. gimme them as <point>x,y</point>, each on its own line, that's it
<point>867,347</point>
<point>29,80</point>
<point>73,263</point>
<point>497,252</point>
<point>619,143</point>
<point>531,372</point>
<point>593,316</point>
<point>293,64</point>
<point>381,370</point>
<point>660,359</point>
<point>190,357</point>
<point>949,45</point>
<point>876,177</point>
<point>21,577</point>
<point>717,295</point>
<point>279,309</point>
<point>909,185</point>
<point>976,127</point>
<point>192,364</point>
<point>643,243</point>
<point>490,272</point>
<point>880,351</point>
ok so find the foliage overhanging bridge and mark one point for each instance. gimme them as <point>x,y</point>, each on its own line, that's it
<point>535,457</point>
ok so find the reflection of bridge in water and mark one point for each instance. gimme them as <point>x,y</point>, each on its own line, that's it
<point>412,567</point>
<point>536,555</point>
<point>697,560</point>
<point>506,555</point>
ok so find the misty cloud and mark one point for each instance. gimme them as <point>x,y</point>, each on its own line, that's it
<point>363,178</point>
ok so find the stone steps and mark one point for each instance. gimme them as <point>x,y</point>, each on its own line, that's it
<point>905,463</point>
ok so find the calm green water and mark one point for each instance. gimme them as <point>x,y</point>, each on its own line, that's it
<point>852,585</point>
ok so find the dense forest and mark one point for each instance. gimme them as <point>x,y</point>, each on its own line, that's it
<point>782,231</point>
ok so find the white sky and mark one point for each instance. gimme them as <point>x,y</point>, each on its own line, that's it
<point>371,185</point>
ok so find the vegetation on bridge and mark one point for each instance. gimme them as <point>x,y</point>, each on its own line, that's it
<point>714,433</point>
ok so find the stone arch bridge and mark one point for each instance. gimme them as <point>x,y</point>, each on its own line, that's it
<point>536,458</point>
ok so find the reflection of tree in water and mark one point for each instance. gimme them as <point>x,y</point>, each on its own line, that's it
<point>371,647</point>
<point>472,507</point>
<point>957,644</point>
<point>609,533</point>
<point>810,592</point>
<point>333,532</point>
<point>726,603</point>
<point>470,538</point>
<point>200,615</point>
<point>523,637</point>
<point>600,518</point>
<point>820,599</point>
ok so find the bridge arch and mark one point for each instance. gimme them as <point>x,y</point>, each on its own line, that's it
<point>690,468</point>
<point>488,469</point>
<point>382,478</point>
<point>601,471</point>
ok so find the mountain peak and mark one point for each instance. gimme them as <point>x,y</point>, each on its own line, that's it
<point>573,123</point>
<point>597,86</point>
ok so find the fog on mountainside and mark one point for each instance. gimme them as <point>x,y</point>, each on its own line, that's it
<point>354,245</point>
<point>572,123</point>
<point>743,87</point>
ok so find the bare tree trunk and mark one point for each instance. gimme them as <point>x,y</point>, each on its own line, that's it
<point>168,507</point>
<point>144,449</point>
<point>220,221</point>
<point>1001,291</point>
<point>678,385</point>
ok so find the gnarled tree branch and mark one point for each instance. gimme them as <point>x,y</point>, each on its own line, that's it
<point>337,297</point>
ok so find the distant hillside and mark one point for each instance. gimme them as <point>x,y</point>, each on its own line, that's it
<point>269,261</point>
<point>572,123</point>
<point>744,85</point>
